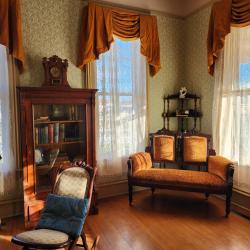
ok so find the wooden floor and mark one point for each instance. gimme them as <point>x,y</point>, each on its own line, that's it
<point>170,220</point>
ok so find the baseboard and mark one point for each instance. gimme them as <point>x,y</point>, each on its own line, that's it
<point>115,188</point>
<point>11,207</point>
<point>14,207</point>
<point>240,203</point>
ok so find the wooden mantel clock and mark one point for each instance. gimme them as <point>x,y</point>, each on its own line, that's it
<point>55,71</point>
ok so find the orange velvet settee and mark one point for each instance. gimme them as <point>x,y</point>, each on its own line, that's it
<point>215,178</point>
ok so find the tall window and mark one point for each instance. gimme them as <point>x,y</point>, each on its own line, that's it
<point>8,161</point>
<point>122,106</point>
<point>232,104</point>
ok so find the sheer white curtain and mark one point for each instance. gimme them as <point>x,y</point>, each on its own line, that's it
<point>122,106</point>
<point>8,161</point>
<point>231,116</point>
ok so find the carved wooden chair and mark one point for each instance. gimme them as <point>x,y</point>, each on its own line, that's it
<point>75,183</point>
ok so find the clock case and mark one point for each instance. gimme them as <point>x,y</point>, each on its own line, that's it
<point>55,70</point>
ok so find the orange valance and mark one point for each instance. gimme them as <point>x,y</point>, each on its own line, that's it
<point>101,23</point>
<point>11,29</point>
<point>224,14</point>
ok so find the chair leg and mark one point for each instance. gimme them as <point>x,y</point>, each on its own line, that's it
<point>228,202</point>
<point>84,241</point>
<point>130,193</point>
<point>95,243</point>
<point>152,190</point>
<point>72,244</point>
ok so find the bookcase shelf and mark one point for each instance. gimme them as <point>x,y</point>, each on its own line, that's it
<point>53,122</point>
<point>58,144</point>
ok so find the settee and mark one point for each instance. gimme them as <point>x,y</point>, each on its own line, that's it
<point>196,167</point>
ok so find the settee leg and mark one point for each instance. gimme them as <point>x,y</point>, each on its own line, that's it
<point>228,202</point>
<point>130,194</point>
<point>152,190</point>
<point>206,195</point>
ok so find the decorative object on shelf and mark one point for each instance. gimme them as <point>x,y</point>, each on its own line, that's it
<point>55,71</point>
<point>182,112</point>
<point>38,156</point>
<point>183,92</point>
<point>57,112</point>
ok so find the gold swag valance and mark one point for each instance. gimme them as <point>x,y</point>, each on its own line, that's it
<point>101,23</point>
<point>224,14</point>
<point>11,29</point>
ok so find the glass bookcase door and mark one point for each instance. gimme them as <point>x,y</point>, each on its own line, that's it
<point>59,139</point>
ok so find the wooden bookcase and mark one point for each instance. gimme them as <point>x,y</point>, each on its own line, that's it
<point>57,127</point>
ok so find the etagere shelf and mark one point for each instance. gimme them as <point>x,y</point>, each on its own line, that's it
<point>183,111</point>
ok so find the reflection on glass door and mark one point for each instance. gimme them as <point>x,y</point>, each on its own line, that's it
<point>59,139</point>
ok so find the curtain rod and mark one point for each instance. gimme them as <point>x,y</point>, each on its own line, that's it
<point>120,6</point>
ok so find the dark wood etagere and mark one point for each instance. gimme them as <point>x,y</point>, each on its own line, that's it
<point>57,127</point>
<point>183,111</point>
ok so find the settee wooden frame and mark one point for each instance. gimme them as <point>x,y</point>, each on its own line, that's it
<point>226,190</point>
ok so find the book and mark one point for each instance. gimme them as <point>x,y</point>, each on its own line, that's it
<point>36,136</point>
<point>61,132</point>
<point>56,132</point>
<point>51,133</point>
<point>46,134</point>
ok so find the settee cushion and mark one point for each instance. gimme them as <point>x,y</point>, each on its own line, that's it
<point>141,161</point>
<point>195,149</point>
<point>177,177</point>
<point>163,148</point>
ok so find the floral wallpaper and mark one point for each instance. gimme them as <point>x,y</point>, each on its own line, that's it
<point>50,28</point>
<point>197,78</point>
<point>171,75</point>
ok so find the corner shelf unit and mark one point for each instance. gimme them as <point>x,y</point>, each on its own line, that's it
<point>183,111</point>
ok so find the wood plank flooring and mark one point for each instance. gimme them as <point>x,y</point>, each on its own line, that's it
<point>169,220</point>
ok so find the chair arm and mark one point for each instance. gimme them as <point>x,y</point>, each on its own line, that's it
<point>222,167</point>
<point>139,161</point>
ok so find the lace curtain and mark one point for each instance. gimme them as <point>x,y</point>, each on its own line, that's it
<point>231,116</point>
<point>7,134</point>
<point>122,106</point>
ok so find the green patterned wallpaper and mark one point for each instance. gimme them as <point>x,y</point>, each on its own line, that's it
<point>50,28</point>
<point>171,75</point>
<point>197,78</point>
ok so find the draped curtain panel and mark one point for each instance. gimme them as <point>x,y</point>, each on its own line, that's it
<point>11,29</point>
<point>8,143</point>
<point>231,113</point>
<point>224,14</point>
<point>101,23</point>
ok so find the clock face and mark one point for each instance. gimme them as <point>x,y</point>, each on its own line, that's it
<point>55,72</point>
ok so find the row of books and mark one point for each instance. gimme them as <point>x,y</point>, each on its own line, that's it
<point>51,133</point>
<point>74,112</point>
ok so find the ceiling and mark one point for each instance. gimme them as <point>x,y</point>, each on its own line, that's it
<point>180,8</point>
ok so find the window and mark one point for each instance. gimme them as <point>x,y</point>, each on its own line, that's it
<point>231,118</point>
<point>122,106</point>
